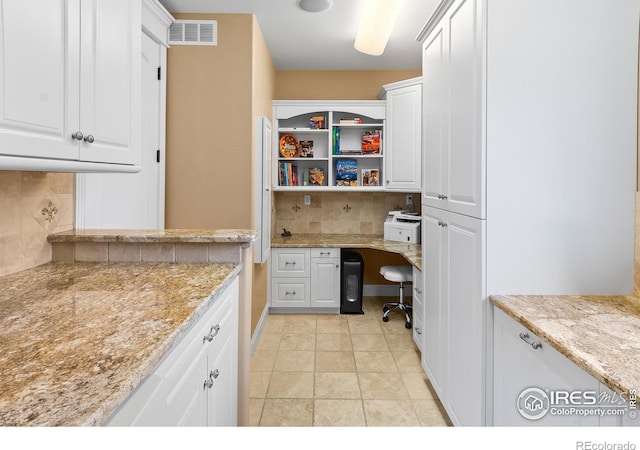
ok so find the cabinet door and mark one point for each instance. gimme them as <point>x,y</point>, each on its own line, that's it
<point>39,70</point>
<point>403,158</point>
<point>519,367</point>
<point>222,390</point>
<point>325,282</point>
<point>434,118</point>
<point>466,307</point>
<point>465,50</point>
<point>110,81</point>
<point>435,295</point>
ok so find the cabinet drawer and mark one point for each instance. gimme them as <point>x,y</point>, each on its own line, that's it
<point>287,292</point>
<point>325,252</point>
<point>418,283</point>
<point>290,263</point>
<point>418,330</point>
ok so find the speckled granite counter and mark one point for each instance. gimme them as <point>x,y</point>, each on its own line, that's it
<point>411,252</point>
<point>601,334</point>
<point>76,338</point>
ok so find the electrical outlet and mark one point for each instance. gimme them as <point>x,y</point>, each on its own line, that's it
<point>307,200</point>
<point>409,199</point>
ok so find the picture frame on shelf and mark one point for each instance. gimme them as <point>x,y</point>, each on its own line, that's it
<point>370,177</point>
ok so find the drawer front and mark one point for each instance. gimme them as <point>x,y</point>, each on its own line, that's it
<point>418,283</point>
<point>289,293</point>
<point>418,330</point>
<point>325,252</point>
<point>290,263</point>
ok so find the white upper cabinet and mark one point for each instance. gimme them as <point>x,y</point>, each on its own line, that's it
<point>70,85</point>
<point>403,161</point>
<point>453,127</point>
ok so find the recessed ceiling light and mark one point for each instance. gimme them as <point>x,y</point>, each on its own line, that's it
<point>315,5</point>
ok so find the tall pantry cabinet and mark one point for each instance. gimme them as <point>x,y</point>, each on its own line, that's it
<point>529,119</point>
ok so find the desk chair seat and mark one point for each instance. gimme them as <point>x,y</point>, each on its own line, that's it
<point>397,274</point>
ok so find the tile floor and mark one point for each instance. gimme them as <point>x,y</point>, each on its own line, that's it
<point>340,370</point>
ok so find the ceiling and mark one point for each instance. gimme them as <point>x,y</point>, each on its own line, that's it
<point>300,40</point>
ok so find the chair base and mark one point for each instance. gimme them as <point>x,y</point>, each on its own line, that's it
<point>400,306</point>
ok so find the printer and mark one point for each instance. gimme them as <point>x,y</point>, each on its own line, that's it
<point>403,226</point>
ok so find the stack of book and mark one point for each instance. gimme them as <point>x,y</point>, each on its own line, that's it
<point>354,121</point>
<point>288,174</point>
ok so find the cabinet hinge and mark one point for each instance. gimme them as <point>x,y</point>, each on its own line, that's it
<point>159,73</point>
<point>157,155</point>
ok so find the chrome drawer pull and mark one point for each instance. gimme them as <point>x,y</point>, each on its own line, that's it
<point>290,293</point>
<point>212,333</point>
<point>208,383</point>
<point>292,263</point>
<point>418,290</point>
<point>418,330</point>
<point>525,337</point>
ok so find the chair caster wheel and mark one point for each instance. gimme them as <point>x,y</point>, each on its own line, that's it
<point>407,325</point>
<point>385,318</point>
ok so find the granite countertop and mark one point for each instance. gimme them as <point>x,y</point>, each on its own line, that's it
<point>156,236</point>
<point>601,334</point>
<point>77,338</point>
<point>412,252</point>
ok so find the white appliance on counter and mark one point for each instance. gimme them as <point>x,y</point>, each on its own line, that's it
<point>403,226</point>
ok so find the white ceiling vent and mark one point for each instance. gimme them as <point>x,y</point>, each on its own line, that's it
<point>193,32</point>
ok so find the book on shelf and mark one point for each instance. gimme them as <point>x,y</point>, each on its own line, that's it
<point>370,177</point>
<point>314,176</point>
<point>346,172</point>
<point>288,174</point>
<point>336,140</point>
<point>317,123</point>
<point>371,142</point>
<point>306,149</point>
<point>347,151</point>
<point>354,121</point>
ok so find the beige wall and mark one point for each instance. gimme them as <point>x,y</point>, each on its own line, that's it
<point>33,205</point>
<point>336,84</point>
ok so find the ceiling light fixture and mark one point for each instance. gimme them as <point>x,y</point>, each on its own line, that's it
<point>315,5</point>
<point>376,25</point>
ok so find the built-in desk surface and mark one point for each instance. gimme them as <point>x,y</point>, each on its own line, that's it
<point>411,252</point>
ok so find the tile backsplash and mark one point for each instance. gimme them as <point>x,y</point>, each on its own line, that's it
<point>337,212</point>
<point>32,206</point>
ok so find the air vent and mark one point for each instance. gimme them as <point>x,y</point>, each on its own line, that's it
<point>193,32</point>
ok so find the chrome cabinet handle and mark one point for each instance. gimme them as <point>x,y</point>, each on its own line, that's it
<point>77,135</point>
<point>418,330</point>
<point>442,197</point>
<point>208,383</point>
<point>441,223</point>
<point>418,290</point>
<point>287,263</point>
<point>290,293</point>
<point>212,333</point>
<point>325,253</point>
<point>525,337</point>
<point>89,139</point>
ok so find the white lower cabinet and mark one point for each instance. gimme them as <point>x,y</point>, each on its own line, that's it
<point>418,309</point>
<point>305,278</point>
<point>454,312</point>
<point>535,385</point>
<point>196,384</point>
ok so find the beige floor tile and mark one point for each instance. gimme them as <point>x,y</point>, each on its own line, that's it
<point>418,386</point>
<point>269,341</point>
<point>408,360</point>
<point>294,361</point>
<point>332,326</point>
<point>299,323</point>
<point>337,385</point>
<point>263,360</point>
<point>285,412</point>
<point>335,362</point>
<point>291,385</point>
<point>291,341</point>
<point>369,342</point>
<point>430,413</point>
<point>402,341</point>
<point>395,325</point>
<point>364,327</point>
<point>274,324</point>
<point>382,386</point>
<point>338,413</point>
<point>333,342</point>
<point>258,384</point>
<point>375,362</point>
<point>389,413</point>
<point>255,411</point>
